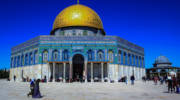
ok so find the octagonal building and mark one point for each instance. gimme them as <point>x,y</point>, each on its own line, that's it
<point>77,49</point>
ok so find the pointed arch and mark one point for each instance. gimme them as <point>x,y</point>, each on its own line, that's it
<point>110,56</point>
<point>22,60</point>
<point>119,56</point>
<point>45,56</point>
<point>55,55</point>
<point>90,54</point>
<point>124,58</point>
<point>15,61</point>
<point>30,58</point>
<point>100,55</point>
<point>36,56</point>
<point>26,59</point>
<point>65,54</point>
<point>18,61</point>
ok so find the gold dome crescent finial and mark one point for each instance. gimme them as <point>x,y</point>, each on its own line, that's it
<point>78,15</point>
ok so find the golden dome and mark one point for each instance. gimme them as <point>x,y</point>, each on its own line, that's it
<point>78,15</point>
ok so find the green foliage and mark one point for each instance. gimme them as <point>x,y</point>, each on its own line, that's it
<point>4,74</point>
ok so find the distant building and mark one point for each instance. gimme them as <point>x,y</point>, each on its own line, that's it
<point>161,67</point>
<point>77,47</point>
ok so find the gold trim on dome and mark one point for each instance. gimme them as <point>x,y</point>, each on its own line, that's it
<point>77,15</point>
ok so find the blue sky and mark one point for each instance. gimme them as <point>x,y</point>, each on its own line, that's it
<point>152,24</point>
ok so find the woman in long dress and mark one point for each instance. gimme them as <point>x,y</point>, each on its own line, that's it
<point>32,85</point>
<point>37,93</point>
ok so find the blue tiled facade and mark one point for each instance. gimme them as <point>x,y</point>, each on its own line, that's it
<point>45,48</point>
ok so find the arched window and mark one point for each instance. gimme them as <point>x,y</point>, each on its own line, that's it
<point>132,59</point>
<point>14,61</point>
<point>129,59</point>
<point>90,55</point>
<point>31,58</point>
<point>65,55</point>
<point>26,59</point>
<point>74,32</point>
<point>85,33</point>
<point>140,61</point>
<point>45,56</point>
<point>137,61</point>
<point>100,55</point>
<point>22,60</point>
<point>36,57</point>
<point>55,55</point>
<point>62,32</point>
<point>119,56</point>
<point>18,61</point>
<point>124,58</point>
<point>110,56</point>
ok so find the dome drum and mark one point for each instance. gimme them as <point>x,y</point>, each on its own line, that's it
<point>77,31</point>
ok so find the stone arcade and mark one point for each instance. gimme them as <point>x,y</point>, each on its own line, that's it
<point>77,46</point>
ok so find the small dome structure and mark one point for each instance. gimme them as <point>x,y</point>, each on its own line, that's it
<point>162,61</point>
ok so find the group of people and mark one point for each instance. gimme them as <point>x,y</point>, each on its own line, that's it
<point>34,86</point>
<point>124,79</point>
<point>34,89</point>
<point>172,82</point>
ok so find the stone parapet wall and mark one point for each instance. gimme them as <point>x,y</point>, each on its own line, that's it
<point>32,72</point>
<point>117,71</point>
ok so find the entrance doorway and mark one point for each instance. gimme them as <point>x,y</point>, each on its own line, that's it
<point>78,66</point>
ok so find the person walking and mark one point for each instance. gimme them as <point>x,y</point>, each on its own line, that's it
<point>32,85</point>
<point>45,79</point>
<point>161,80</point>
<point>14,78</point>
<point>174,83</point>
<point>155,80</point>
<point>169,79</point>
<point>132,79</point>
<point>37,93</point>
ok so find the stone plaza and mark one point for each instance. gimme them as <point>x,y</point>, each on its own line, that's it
<point>88,91</point>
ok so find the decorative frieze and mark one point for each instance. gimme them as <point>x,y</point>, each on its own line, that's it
<point>76,39</point>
